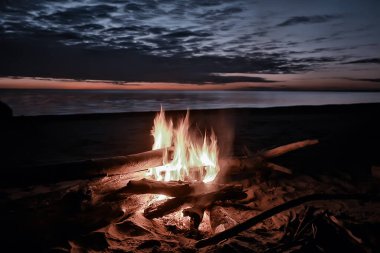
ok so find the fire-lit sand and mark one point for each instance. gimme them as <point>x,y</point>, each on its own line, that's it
<point>221,167</point>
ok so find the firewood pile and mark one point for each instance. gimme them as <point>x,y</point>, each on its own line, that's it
<point>197,197</point>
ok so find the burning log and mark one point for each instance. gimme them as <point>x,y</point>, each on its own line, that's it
<point>171,188</point>
<point>97,167</point>
<point>167,207</point>
<point>220,220</point>
<point>198,202</point>
<point>278,209</point>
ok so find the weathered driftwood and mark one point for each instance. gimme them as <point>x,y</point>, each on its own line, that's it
<point>250,164</point>
<point>277,209</point>
<point>200,201</point>
<point>220,220</point>
<point>85,169</point>
<point>170,188</point>
<point>288,148</point>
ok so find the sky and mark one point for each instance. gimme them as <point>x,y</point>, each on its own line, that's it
<point>175,44</point>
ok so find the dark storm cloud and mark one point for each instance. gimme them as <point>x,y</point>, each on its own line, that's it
<point>308,20</point>
<point>369,60</point>
<point>38,59</point>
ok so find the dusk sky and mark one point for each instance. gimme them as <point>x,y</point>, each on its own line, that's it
<point>172,44</point>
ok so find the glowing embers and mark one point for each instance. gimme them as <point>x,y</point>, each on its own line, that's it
<point>193,158</point>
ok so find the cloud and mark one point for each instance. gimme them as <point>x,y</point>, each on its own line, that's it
<point>187,33</point>
<point>39,58</point>
<point>217,79</point>
<point>372,80</point>
<point>368,60</point>
<point>317,60</point>
<point>307,20</point>
<point>150,40</point>
<point>218,14</point>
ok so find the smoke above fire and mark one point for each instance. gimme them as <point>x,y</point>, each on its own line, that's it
<point>193,158</point>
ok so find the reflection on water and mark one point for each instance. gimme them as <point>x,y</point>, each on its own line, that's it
<point>53,102</point>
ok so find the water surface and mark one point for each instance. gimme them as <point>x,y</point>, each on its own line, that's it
<point>58,102</point>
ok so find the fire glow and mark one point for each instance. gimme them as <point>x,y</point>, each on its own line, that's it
<point>193,159</point>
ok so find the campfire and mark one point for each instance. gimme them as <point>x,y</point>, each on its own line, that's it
<point>189,166</point>
<point>185,183</point>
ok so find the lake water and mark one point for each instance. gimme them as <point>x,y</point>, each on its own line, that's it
<point>56,102</point>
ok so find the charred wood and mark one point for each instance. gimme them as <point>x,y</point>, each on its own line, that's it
<point>200,201</point>
<point>170,188</point>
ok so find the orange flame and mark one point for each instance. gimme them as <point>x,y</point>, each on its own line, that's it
<point>192,159</point>
<point>162,131</point>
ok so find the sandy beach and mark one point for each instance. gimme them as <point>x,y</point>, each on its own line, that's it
<point>348,135</point>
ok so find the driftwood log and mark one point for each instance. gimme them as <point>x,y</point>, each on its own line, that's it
<point>170,188</point>
<point>200,202</point>
<point>96,167</point>
<point>271,153</point>
<point>252,163</point>
<point>226,234</point>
